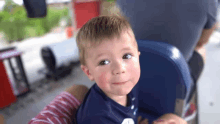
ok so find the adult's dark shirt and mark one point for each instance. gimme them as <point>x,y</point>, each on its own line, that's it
<point>177,22</point>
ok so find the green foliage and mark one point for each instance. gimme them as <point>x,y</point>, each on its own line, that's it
<point>9,5</point>
<point>110,1</point>
<point>17,26</point>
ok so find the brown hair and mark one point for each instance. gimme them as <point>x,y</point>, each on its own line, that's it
<point>97,30</point>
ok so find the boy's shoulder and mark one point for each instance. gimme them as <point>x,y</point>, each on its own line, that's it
<point>98,108</point>
<point>94,105</point>
<point>94,99</point>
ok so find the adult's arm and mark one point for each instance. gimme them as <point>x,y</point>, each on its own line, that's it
<point>211,22</point>
<point>63,108</point>
<point>200,47</point>
<point>206,33</point>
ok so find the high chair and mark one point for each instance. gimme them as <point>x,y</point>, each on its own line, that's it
<point>165,80</point>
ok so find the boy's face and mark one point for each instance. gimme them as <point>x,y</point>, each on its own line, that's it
<point>114,65</point>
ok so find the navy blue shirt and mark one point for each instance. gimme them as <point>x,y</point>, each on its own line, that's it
<point>177,22</point>
<point>97,108</point>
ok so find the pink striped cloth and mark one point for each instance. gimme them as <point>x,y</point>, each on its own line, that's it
<point>60,111</point>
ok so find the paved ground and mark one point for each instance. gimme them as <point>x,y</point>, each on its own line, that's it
<point>209,87</point>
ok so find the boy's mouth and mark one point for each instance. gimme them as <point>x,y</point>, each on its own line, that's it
<point>120,83</point>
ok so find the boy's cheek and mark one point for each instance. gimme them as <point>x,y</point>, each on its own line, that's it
<point>103,80</point>
<point>135,65</point>
<point>135,70</point>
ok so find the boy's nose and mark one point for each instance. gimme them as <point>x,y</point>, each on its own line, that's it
<point>119,68</point>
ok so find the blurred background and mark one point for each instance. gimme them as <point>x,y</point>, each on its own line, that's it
<point>41,57</point>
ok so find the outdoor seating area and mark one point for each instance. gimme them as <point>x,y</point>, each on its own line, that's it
<point>39,64</point>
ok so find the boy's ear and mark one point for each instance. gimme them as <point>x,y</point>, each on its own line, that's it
<point>87,72</point>
<point>139,53</point>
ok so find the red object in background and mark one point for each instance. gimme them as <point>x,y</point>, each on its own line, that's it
<point>69,32</point>
<point>6,93</point>
<point>84,11</point>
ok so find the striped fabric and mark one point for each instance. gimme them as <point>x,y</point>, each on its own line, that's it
<point>59,111</point>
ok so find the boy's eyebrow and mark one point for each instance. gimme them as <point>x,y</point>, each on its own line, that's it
<point>126,48</point>
<point>98,56</point>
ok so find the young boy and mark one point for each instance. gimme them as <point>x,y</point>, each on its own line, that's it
<point>109,56</point>
<point>116,71</point>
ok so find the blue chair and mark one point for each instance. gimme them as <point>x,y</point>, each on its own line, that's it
<point>165,81</point>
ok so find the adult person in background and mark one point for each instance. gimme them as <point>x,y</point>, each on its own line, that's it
<point>186,24</point>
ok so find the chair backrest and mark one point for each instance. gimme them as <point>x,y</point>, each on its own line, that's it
<point>165,80</point>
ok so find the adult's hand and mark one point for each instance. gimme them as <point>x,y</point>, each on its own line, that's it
<point>141,121</point>
<point>78,91</point>
<point>1,119</point>
<point>170,119</point>
<point>202,51</point>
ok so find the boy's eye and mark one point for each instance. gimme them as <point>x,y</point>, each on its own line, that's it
<point>104,62</point>
<point>127,56</point>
